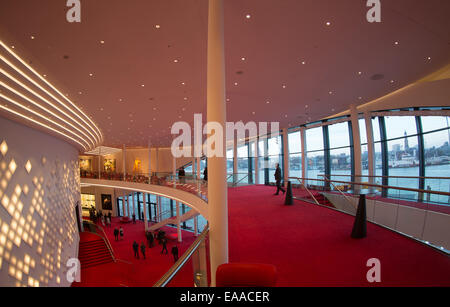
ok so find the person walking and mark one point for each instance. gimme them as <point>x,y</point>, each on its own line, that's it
<point>121,233</point>
<point>116,234</point>
<point>150,239</point>
<point>136,249</point>
<point>175,253</point>
<point>278,179</point>
<point>164,244</point>
<point>205,174</point>
<point>143,249</point>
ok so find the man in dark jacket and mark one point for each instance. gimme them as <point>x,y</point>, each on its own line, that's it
<point>205,174</point>
<point>181,174</point>
<point>175,253</point>
<point>278,180</point>
<point>150,239</point>
<point>143,249</point>
<point>136,249</point>
<point>164,244</point>
<point>116,234</point>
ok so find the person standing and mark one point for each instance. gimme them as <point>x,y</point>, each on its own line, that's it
<point>181,174</point>
<point>150,239</point>
<point>278,179</point>
<point>134,218</point>
<point>175,253</point>
<point>136,249</point>
<point>121,233</point>
<point>164,244</point>
<point>143,249</point>
<point>205,174</point>
<point>116,234</point>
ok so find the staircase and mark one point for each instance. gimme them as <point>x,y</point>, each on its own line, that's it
<point>93,251</point>
<point>319,197</point>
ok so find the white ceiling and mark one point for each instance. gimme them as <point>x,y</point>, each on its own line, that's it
<point>278,37</point>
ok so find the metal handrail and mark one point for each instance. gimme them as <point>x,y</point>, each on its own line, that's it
<point>104,237</point>
<point>307,190</point>
<point>381,176</point>
<point>376,186</point>
<point>170,274</point>
<point>343,194</point>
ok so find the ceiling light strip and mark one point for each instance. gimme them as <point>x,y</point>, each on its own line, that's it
<point>94,139</point>
<point>50,112</point>
<point>95,128</point>
<point>41,116</point>
<point>39,123</point>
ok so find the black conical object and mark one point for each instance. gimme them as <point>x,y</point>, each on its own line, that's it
<point>359,227</point>
<point>289,201</point>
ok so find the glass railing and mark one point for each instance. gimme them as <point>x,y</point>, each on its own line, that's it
<point>196,255</point>
<point>239,179</point>
<point>385,206</point>
<point>188,183</point>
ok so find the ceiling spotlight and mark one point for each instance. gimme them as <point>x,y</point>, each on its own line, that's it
<point>235,83</point>
<point>32,37</point>
<point>253,112</point>
<point>90,75</point>
<point>303,62</point>
<point>267,102</point>
<point>13,47</point>
<point>429,58</point>
<point>182,83</point>
<point>44,76</point>
<point>157,26</point>
<point>102,42</point>
<point>284,86</point>
<point>392,81</point>
<point>359,73</point>
<point>396,43</point>
<point>359,97</point>
<point>243,59</point>
<point>330,92</point>
<point>175,61</point>
<point>328,23</point>
<point>248,16</point>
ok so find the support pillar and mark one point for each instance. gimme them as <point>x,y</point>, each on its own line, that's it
<point>216,112</point>
<point>370,147</point>
<point>195,226</point>
<point>124,165</point>
<point>285,156</point>
<point>256,159</point>
<point>144,197</point>
<point>304,160</point>
<point>199,175</point>
<point>180,239</point>
<point>356,144</point>
<point>235,159</point>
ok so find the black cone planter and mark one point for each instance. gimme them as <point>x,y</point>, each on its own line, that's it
<point>359,227</point>
<point>289,201</point>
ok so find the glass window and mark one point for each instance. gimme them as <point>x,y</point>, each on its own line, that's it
<point>376,129</point>
<point>314,139</point>
<point>431,123</point>
<point>294,141</point>
<point>339,135</point>
<point>400,126</point>
<point>315,164</point>
<point>362,131</point>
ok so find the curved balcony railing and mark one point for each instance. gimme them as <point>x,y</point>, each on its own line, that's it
<point>197,253</point>
<point>189,184</point>
<point>386,206</point>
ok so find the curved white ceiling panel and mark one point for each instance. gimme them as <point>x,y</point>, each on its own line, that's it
<point>27,97</point>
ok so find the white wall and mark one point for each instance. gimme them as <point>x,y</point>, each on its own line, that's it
<point>39,231</point>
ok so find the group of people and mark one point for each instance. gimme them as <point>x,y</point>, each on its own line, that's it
<point>182,174</point>
<point>161,237</point>
<point>118,232</point>
<point>105,219</point>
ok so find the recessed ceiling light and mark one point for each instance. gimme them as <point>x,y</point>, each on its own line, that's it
<point>306,106</point>
<point>80,93</point>
<point>267,102</point>
<point>392,81</point>
<point>44,76</point>
<point>90,75</point>
<point>143,85</point>
<point>248,16</point>
<point>13,47</point>
<point>102,42</point>
<point>32,37</point>
<point>328,23</point>
<point>330,92</point>
<point>235,83</point>
<point>157,26</point>
<point>396,43</point>
<point>429,58</point>
<point>359,72</point>
<point>175,61</point>
<point>182,83</point>
<point>243,59</point>
<point>303,62</point>
<point>285,115</point>
<point>253,112</point>
<point>284,86</point>
<point>359,97</point>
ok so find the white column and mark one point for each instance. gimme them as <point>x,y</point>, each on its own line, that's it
<point>193,167</point>
<point>124,152</point>
<point>144,197</point>
<point>256,159</point>
<point>199,176</point>
<point>370,146</point>
<point>158,208</point>
<point>195,226</point>
<point>235,159</point>
<point>303,144</point>
<point>217,167</point>
<point>123,204</point>
<point>286,155</point>
<point>356,143</point>
<point>180,239</point>
<point>99,162</point>
<point>134,206</point>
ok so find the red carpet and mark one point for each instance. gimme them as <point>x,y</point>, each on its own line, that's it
<point>311,245</point>
<point>132,272</point>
